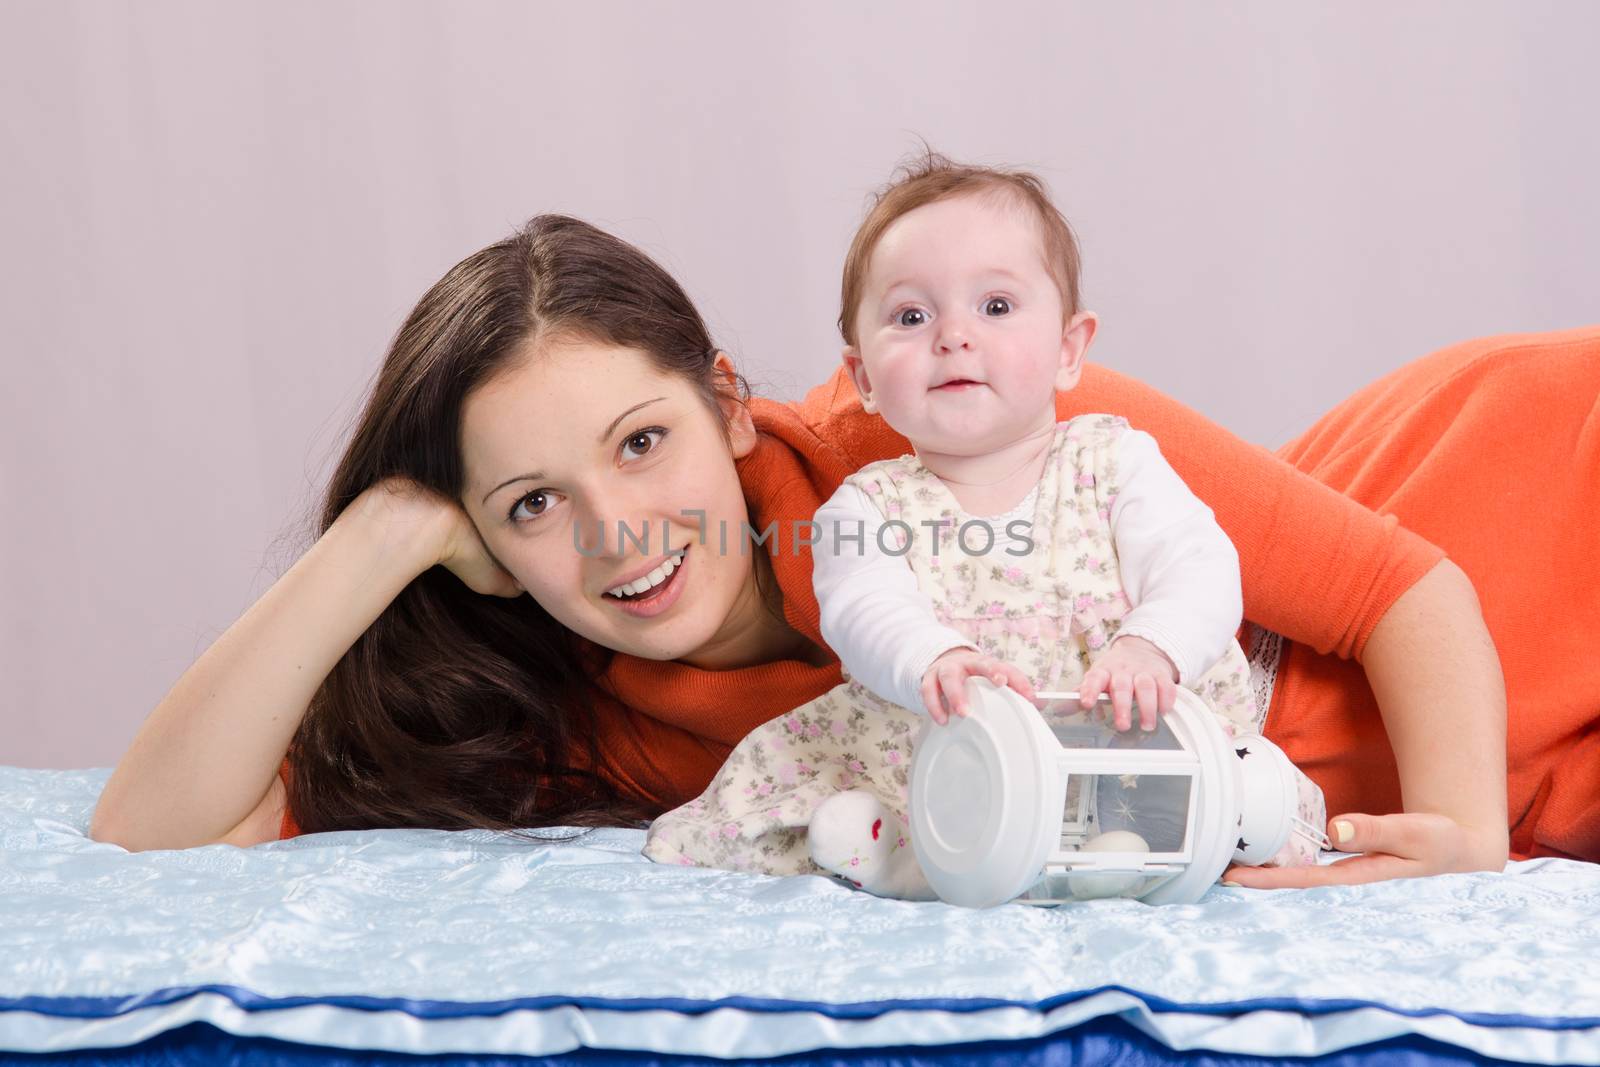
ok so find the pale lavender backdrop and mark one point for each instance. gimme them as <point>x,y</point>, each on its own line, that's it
<point>214,217</point>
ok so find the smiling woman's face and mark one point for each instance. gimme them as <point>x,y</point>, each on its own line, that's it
<point>586,435</point>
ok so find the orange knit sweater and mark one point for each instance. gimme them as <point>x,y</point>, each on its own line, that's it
<point>1318,566</point>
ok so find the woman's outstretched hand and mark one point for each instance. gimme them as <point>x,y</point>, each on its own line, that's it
<point>402,510</point>
<point>1405,845</point>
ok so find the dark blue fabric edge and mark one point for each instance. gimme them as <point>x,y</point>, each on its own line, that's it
<point>247,1000</point>
<point>1104,1041</point>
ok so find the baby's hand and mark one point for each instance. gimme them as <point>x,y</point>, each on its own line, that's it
<point>1132,668</point>
<point>944,683</point>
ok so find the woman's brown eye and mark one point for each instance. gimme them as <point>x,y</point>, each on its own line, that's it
<point>534,505</point>
<point>642,442</point>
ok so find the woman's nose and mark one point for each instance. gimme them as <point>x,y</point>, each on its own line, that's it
<point>611,524</point>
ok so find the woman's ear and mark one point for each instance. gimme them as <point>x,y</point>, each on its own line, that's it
<point>1075,341</point>
<point>735,412</point>
<point>857,369</point>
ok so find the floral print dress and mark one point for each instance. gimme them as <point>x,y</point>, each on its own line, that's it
<point>1050,612</point>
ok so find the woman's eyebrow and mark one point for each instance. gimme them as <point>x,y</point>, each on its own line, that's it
<point>609,430</point>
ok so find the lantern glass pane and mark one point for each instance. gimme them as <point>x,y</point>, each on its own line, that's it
<point>1155,806</point>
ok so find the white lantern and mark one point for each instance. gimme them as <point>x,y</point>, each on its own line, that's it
<point>1053,804</point>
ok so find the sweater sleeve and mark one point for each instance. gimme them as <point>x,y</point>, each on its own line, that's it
<point>1316,567</point>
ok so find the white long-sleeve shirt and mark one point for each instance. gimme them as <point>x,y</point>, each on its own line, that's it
<point>1180,571</point>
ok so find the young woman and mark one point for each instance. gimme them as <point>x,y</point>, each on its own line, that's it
<point>559,382</point>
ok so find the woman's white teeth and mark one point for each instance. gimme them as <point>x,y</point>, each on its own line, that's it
<point>649,581</point>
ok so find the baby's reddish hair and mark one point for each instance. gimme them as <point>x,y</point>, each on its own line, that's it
<point>934,177</point>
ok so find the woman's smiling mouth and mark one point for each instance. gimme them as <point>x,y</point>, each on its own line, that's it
<point>654,592</point>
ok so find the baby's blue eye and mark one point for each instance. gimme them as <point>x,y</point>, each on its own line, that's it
<point>911,317</point>
<point>997,306</point>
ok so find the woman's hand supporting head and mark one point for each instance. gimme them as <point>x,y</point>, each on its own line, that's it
<point>398,511</point>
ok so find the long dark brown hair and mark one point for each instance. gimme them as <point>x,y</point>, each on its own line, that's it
<point>456,709</point>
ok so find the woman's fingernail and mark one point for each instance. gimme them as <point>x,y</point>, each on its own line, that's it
<point>1343,831</point>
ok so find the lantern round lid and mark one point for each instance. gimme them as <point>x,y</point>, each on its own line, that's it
<point>983,789</point>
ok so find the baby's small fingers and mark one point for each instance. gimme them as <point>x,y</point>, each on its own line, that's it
<point>1122,700</point>
<point>1166,695</point>
<point>930,697</point>
<point>953,684</point>
<point>1020,682</point>
<point>1093,684</point>
<point>1144,691</point>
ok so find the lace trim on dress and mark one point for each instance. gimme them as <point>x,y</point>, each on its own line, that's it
<point>1022,510</point>
<point>1266,646</point>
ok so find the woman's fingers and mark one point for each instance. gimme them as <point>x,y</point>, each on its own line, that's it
<point>1403,845</point>
<point>1374,867</point>
<point>1412,836</point>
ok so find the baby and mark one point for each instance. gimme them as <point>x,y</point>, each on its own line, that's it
<point>1037,554</point>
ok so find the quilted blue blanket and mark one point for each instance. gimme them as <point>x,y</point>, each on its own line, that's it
<point>484,943</point>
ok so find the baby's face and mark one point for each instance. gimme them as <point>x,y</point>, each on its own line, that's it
<point>961,341</point>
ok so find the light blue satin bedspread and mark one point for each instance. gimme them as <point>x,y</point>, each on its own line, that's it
<point>476,942</point>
